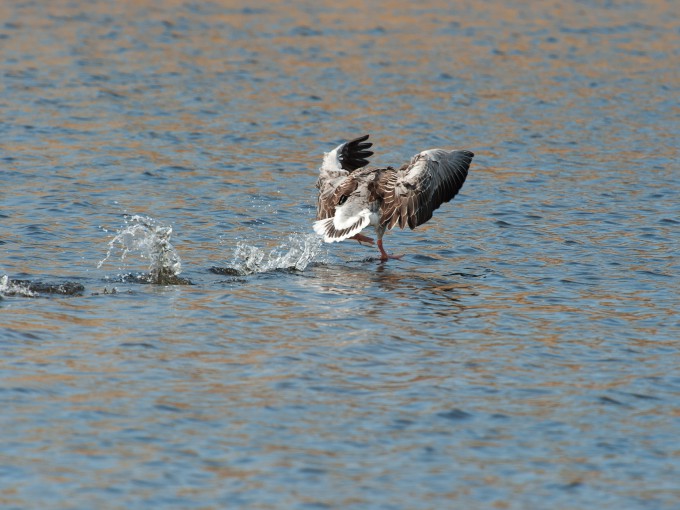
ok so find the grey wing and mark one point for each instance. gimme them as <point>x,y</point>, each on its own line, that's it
<point>337,165</point>
<point>412,193</point>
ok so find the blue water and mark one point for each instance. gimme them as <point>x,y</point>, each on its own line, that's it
<point>523,354</point>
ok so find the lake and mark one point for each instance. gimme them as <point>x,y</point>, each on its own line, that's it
<point>174,334</point>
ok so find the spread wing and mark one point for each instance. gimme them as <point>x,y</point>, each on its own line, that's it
<point>412,193</point>
<point>337,165</point>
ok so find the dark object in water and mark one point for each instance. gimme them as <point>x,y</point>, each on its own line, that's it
<point>64,289</point>
<point>164,276</point>
<point>230,271</point>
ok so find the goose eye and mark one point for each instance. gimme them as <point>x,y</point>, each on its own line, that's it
<point>342,200</point>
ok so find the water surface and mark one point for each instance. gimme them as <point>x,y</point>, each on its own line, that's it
<point>524,352</point>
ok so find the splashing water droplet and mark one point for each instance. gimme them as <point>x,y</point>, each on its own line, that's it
<point>12,288</point>
<point>296,253</point>
<point>151,240</point>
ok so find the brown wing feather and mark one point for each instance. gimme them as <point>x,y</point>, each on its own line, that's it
<point>330,197</point>
<point>325,208</point>
<point>414,192</point>
<point>345,189</point>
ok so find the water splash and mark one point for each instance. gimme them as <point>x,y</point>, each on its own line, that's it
<point>151,240</point>
<point>12,288</point>
<point>294,254</point>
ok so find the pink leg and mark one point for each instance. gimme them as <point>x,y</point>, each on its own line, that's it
<point>383,254</point>
<point>363,239</point>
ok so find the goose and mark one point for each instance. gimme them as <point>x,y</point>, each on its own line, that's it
<point>353,196</point>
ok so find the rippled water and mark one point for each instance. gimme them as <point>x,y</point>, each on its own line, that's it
<point>523,354</point>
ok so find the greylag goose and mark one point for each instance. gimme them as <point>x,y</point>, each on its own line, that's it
<point>352,197</point>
